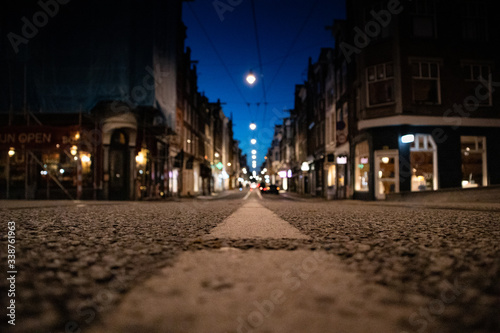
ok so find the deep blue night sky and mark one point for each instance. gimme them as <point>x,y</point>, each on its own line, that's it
<point>290,31</point>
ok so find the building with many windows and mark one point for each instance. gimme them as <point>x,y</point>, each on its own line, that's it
<point>405,102</point>
<point>102,103</point>
<point>426,114</point>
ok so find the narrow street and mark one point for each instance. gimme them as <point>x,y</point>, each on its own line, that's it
<point>245,262</point>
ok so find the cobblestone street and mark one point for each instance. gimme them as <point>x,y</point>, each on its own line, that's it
<point>276,264</point>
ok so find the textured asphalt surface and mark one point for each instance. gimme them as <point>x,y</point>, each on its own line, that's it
<point>76,262</point>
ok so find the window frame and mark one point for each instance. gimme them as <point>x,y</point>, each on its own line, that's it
<point>361,150</point>
<point>428,146</point>
<point>432,14</point>
<point>477,149</point>
<point>479,17</point>
<point>376,79</point>
<point>470,78</point>
<point>428,62</point>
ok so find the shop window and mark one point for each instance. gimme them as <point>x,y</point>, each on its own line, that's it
<point>474,167</point>
<point>386,167</point>
<point>476,76</point>
<point>423,159</point>
<point>331,175</point>
<point>380,84</point>
<point>426,83</point>
<point>362,167</point>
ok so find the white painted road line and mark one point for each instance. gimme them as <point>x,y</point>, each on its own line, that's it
<point>279,291</point>
<point>250,193</point>
<point>252,220</point>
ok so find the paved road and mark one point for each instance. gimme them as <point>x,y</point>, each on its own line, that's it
<point>244,264</point>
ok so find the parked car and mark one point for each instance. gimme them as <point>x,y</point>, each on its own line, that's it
<point>272,189</point>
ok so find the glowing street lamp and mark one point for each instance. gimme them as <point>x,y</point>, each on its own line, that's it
<point>141,157</point>
<point>253,141</point>
<point>253,126</point>
<point>254,157</point>
<point>254,151</point>
<point>251,78</point>
<point>12,151</point>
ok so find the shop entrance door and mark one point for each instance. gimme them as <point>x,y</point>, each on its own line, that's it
<point>119,166</point>
<point>341,177</point>
<point>386,173</point>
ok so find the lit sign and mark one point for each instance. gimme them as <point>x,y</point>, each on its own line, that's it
<point>304,166</point>
<point>364,160</point>
<point>282,174</point>
<point>289,174</point>
<point>36,136</point>
<point>341,159</point>
<point>408,138</point>
<point>219,166</point>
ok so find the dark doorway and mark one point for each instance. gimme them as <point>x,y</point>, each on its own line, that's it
<point>119,166</point>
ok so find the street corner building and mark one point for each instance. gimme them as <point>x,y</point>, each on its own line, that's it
<point>100,101</point>
<point>407,101</point>
<point>426,112</point>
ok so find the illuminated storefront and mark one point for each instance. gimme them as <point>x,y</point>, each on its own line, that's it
<point>42,162</point>
<point>104,156</point>
<point>397,159</point>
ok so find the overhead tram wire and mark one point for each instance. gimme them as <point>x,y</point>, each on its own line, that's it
<point>289,51</point>
<point>217,53</point>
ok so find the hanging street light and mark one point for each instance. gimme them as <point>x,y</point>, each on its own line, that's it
<point>253,126</point>
<point>253,141</point>
<point>251,78</point>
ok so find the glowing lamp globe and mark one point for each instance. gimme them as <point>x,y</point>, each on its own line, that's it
<point>251,78</point>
